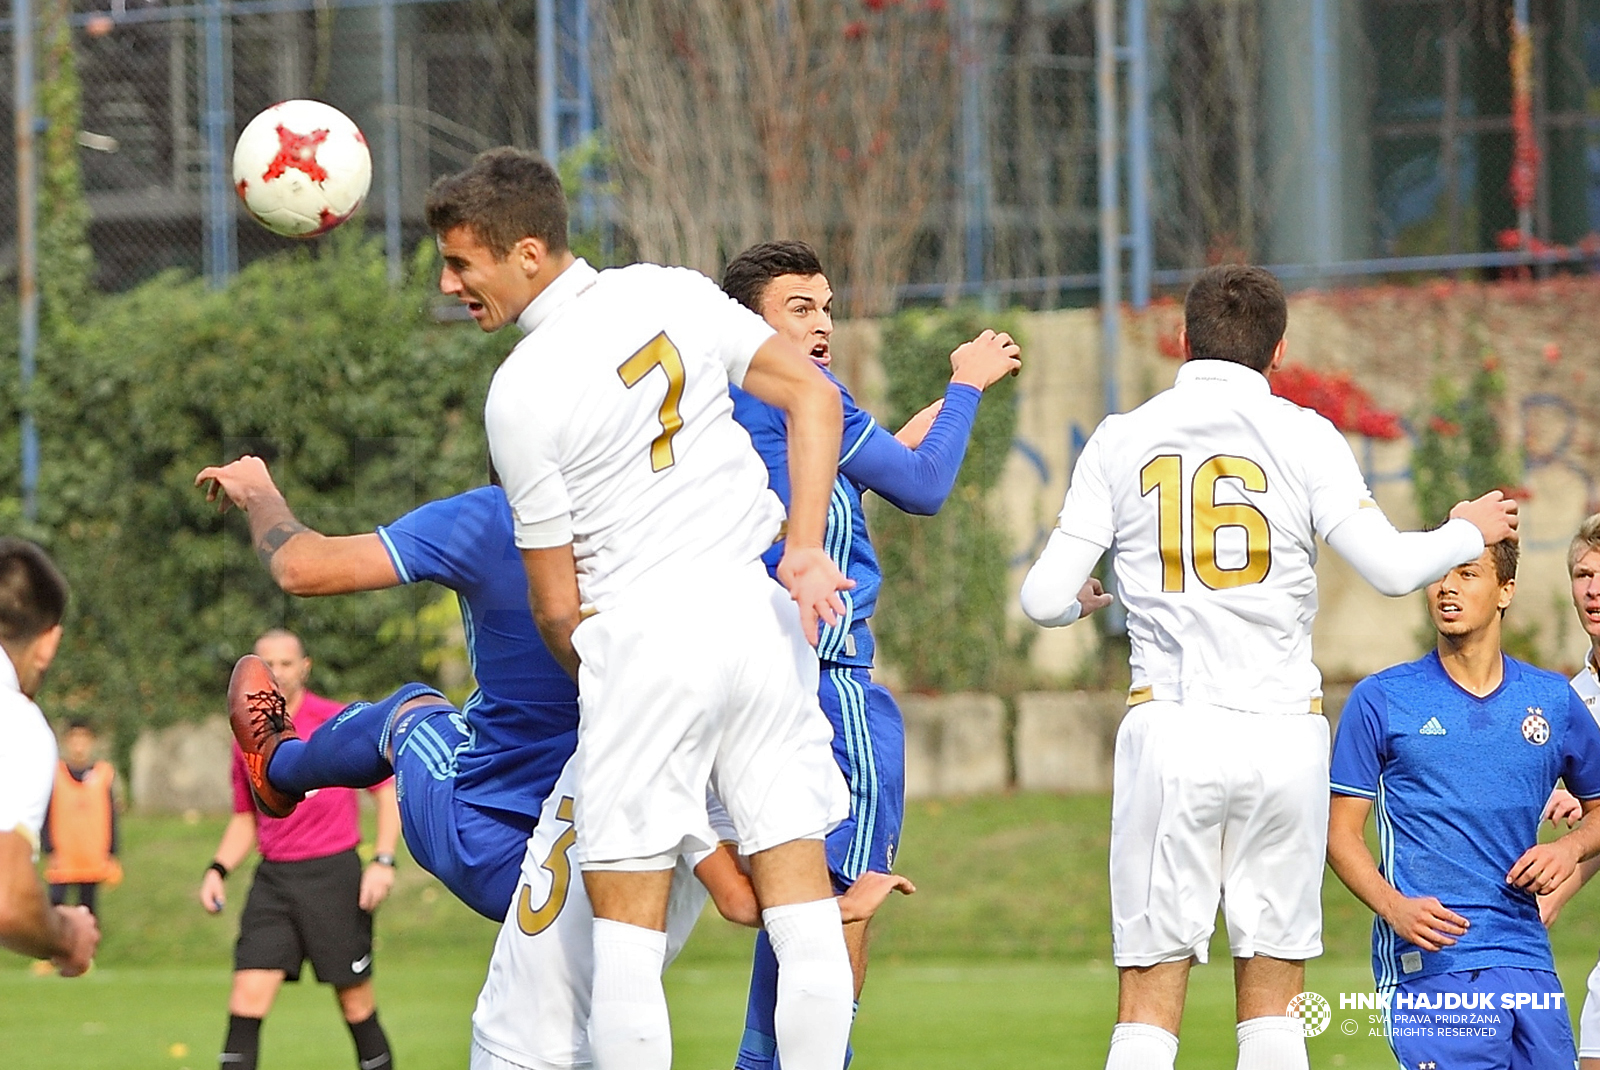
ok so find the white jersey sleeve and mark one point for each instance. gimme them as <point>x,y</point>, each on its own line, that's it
<point>1087,513</point>
<point>1335,487</point>
<point>525,447</point>
<point>27,766</point>
<point>739,332</point>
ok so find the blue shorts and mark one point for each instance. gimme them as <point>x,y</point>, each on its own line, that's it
<point>1502,1018</point>
<point>869,743</point>
<point>476,852</point>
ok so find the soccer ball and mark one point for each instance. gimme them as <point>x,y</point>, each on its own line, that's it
<point>301,168</point>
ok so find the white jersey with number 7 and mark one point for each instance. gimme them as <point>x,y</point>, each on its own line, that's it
<point>612,428</point>
<point>1213,493</point>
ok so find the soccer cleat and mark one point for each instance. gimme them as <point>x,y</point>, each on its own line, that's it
<point>260,719</point>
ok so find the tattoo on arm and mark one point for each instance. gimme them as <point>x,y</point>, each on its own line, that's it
<point>273,538</point>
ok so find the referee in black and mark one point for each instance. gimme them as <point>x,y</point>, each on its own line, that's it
<point>311,897</point>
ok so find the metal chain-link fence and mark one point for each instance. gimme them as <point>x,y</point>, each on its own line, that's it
<point>986,151</point>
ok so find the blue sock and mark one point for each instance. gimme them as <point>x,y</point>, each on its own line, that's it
<point>346,752</point>
<point>759,1045</point>
<point>758,1048</point>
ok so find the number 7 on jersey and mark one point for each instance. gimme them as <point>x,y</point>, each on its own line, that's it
<point>659,352</point>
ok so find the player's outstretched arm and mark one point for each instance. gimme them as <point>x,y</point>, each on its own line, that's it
<point>553,598</point>
<point>729,886</point>
<point>1058,589</point>
<point>302,561</point>
<point>1421,920</point>
<point>735,896</point>
<point>869,892</point>
<point>915,469</point>
<point>29,925</point>
<point>1398,563</point>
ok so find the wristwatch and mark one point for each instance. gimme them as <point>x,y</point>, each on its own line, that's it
<point>384,860</point>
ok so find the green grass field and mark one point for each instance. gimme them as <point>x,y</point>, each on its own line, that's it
<point>1001,960</point>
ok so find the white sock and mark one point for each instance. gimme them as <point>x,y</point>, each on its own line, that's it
<point>1272,1043</point>
<point>816,991</point>
<point>628,1025</point>
<point>1137,1046</point>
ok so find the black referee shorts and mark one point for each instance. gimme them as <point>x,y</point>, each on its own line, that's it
<point>307,910</point>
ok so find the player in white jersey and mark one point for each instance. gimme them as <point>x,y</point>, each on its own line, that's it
<point>33,597</point>
<point>1583,566</point>
<point>641,512</point>
<point>533,1010</point>
<point>1212,494</point>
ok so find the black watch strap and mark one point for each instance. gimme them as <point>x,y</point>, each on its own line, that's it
<point>218,868</point>
<point>384,860</point>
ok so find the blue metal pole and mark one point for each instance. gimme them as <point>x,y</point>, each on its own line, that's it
<point>1139,225</point>
<point>222,256</point>
<point>549,139</point>
<point>973,158</point>
<point>27,246</point>
<point>1105,63</point>
<point>391,140</point>
<point>1324,159</point>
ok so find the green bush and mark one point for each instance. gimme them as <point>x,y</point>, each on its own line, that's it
<point>362,404</point>
<point>941,619</point>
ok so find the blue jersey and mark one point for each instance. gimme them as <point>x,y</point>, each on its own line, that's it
<point>1458,784</point>
<point>523,716</point>
<point>916,481</point>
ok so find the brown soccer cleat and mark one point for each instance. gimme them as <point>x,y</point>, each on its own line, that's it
<point>260,720</point>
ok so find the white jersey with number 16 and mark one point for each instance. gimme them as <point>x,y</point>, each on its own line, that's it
<point>612,429</point>
<point>1213,493</point>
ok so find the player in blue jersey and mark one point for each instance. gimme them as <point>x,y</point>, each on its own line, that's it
<point>470,782</point>
<point>1458,752</point>
<point>913,470</point>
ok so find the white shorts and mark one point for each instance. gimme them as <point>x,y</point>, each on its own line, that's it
<point>1589,1021</point>
<point>533,1010</point>
<point>687,686</point>
<point>1214,804</point>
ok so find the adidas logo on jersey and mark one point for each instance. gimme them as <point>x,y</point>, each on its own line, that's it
<point>1432,728</point>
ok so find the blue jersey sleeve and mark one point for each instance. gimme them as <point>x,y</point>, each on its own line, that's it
<point>1580,758</point>
<point>916,481</point>
<point>1359,748</point>
<point>444,541</point>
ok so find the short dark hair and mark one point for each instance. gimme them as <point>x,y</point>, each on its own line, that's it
<point>1504,554</point>
<point>506,195</point>
<point>80,724</point>
<point>1235,312</point>
<point>33,593</point>
<point>750,273</point>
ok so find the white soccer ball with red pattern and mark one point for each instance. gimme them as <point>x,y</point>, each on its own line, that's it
<point>301,168</point>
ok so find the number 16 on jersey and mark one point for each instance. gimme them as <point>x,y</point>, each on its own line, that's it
<point>1163,477</point>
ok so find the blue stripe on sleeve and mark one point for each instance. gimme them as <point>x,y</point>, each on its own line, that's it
<point>394,557</point>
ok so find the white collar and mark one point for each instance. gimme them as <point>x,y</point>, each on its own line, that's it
<point>1588,663</point>
<point>575,278</point>
<point>1225,372</point>
<point>8,673</point>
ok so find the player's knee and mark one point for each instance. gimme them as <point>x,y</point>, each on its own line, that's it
<point>357,1001</point>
